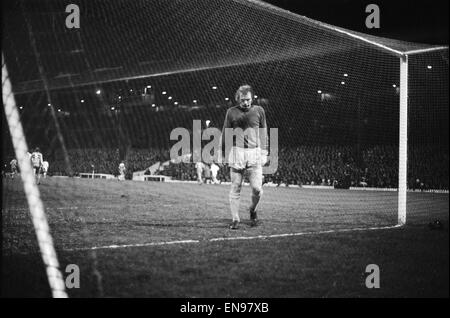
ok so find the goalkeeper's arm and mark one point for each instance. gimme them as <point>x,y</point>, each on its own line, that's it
<point>263,138</point>
<point>222,155</point>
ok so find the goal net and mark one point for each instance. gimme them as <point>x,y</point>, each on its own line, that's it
<point>107,82</point>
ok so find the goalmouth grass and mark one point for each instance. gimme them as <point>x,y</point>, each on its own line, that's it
<point>150,239</point>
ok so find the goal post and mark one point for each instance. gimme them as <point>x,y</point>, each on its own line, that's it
<point>437,100</point>
<point>39,219</point>
<point>403,140</point>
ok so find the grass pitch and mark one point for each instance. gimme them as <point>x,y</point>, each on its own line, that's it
<point>151,239</point>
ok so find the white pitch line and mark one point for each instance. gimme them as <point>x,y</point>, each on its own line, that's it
<point>132,245</point>
<point>234,238</point>
<point>47,208</point>
<point>302,233</point>
<point>70,208</point>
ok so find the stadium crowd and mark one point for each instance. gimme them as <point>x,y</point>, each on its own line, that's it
<point>334,165</point>
<point>105,161</point>
<point>330,165</point>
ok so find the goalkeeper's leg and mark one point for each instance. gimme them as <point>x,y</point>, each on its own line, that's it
<point>256,185</point>
<point>235,192</point>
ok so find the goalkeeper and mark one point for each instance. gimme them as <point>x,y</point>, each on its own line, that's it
<point>248,152</point>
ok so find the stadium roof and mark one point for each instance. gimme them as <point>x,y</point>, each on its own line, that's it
<point>123,39</point>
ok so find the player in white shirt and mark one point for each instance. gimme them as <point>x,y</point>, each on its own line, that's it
<point>36,162</point>
<point>14,170</point>
<point>199,166</point>
<point>122,170</point>
<point>214,170</point>
<point>45,168</point>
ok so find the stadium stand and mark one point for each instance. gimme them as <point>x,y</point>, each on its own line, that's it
<point>302,165</point>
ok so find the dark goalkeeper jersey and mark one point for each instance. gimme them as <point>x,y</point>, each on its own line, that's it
<point>254,118</point>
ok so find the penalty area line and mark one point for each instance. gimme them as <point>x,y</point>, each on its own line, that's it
<point>302,233</point>
<point>114,246</point>
<point>235,238</point>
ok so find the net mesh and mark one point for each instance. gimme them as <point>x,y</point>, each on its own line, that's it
<point>114,89</point>
<point>428,124</point>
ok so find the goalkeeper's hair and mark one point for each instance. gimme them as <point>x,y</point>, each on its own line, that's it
<point>243,89</point>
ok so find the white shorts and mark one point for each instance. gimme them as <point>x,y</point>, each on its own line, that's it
<point>241,158</point>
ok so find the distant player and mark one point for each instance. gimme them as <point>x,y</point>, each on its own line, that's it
<point>14,170</point>
<point>36,162</point>
<point>214,170</point>
<point>122,170</point>
<point>207,173</point>
<point>199,167</point>
<point>45,166</point>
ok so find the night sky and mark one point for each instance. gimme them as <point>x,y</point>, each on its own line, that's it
<point>408,20</point>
